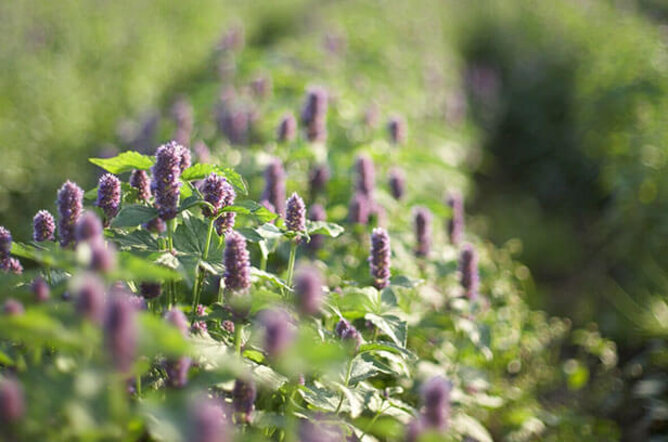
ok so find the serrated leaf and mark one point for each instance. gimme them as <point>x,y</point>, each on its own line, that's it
<point>323,228</point>
<point>392,326</point>
<point>133,216</point>
<point>200,171</point>
<point>405,281</point>
<point>248,207</point>
<point>47,254</point>
<point>362,370</point>
<point>278,282</point>
<point>124,162</point>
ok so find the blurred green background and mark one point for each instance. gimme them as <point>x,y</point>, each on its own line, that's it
<point>562,107</point>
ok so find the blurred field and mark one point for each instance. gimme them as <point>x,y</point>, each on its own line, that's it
<point>557,111</point>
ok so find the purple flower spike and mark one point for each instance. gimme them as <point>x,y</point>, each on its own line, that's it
<point>314,114</point>
<point>186,159</point>
<point>44,226</point>
<point>436,400</point>
<point>90,298</point>
<point>308,290</point>
<point>243,399</point>
<point>396,128</point>
<point>12,401</point>
<point>178,319</point>
<point>422,231</point>
<point>348,333</point>
<point>315,431</point>
<point>13,307</point>
<point>121,332</point>
<point>414,430</point>
<point>140,181</point>
<point>225,222</point>
<point>5,243</point>
<point>11,265</point>
<point>70,205</point>
<point>177,369</point>
<point>379,258</point>
<point>365,175</point>
<point>237,263</point>
<point>156,225</point>
<point>358,211</point>
<point>182,114</point>
<point>456,221</point>
<point>295,216</point>
<point>103,256</point>
<point>166,184</point>
<point>109,196</point>
<point>278,332</point>
<point>274,190</point>
<point>316,213</point>
<point>199,326</point>
<point>150,290</point>
<point>208,422</point>
<point>40,289</point>
<point>287,129</point>
<point>213,190</point>
<point>318,178</point>
<point>397,183</point>
<point>88,228</point>
<point>468,267</point>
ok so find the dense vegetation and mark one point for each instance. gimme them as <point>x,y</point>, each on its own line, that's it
<point>214,305</point>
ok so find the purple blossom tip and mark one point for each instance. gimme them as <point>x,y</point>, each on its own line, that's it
<point>314,114</point>
<point>397,183</point>
<point>12,401</point>
<point>308,290</point>
<point>358,210</point>
<point>243,399</point>
<point>213,190</point>
<point>396,128</point>
<point>456,221</point>
<point>274,190</point>
<point>348,333</point>
<point>156,225</point>
<point>5,243</point>
<point>468,268</point>
<point>379,258</point>
<point>436,401</point>
<point>109,196</point>
<point>237,263</point>
<point>88,228</point>
<point>12,307</point>
<point>103,256</point>
<point>11,265</point>
<point>318,178</point>
<point>40,289</point>
<point>150,290</point>
<point>139,180</point>
<point>279,332</point>
<point>208,422</point>
<point>70,205</point>
<point>166,182</point>
<point>44,226</point>
<point>120,331</point>
<point>365,175</point>
<point>422,231</point>
<point>178,319</point>
<point>90,298</point>
<point>295,216</point>
<point>287,129</point>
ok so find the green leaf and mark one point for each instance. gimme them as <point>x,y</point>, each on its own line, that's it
<point>159,337</point>
<point>133,216</point>
<point>266,232</point>
<point>47,254</point>
<point>131,267</point>
<point>406,282</point>
<point>200,171</point>
<point>392,326</point>
<point>248,207</point>
<point>278,282</point>
<point>323,228</point>
<point>362,370</point>
<point>124,162</point>
<point>468,426</point>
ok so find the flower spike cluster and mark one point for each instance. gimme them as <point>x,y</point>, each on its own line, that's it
<point>109,196</point>
<point>44,226</point>
<point>379,258</point>
<point>70,206</point>
<point>166,183</point>
<point>237,263</point>
<point>295,216</point>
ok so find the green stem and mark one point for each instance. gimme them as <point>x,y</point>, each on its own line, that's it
<point>291,262</point>
<point>171,227</point>
<point>208,239</point>
<point>263,263</point>
<point>238,329</point>
<point>138,382</point>
<point>350,369</point>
